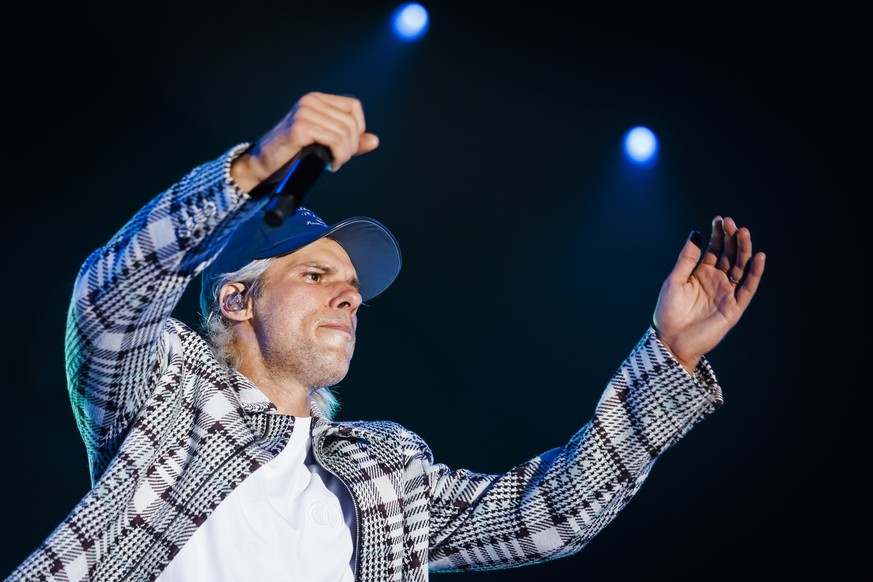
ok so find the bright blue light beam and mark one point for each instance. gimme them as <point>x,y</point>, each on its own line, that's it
<point>410,21</point>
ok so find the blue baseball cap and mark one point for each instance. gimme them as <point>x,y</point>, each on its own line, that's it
<point>372,248</point>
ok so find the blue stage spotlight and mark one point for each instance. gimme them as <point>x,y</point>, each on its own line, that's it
<point>641,146</point>
<point>410,21</point>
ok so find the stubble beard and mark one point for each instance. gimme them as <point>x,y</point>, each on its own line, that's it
<point>311,366</point>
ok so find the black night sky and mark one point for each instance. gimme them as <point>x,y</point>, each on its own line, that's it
<point>533,254</point>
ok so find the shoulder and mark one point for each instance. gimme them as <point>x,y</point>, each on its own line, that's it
<point>387,434</point>
<point>178,332</point>
<point>178,339</point>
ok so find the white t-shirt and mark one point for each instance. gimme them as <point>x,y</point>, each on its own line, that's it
<point>289,520</point>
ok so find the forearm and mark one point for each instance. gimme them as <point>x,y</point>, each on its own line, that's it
<point>649,404</point>
<point>127,289</point>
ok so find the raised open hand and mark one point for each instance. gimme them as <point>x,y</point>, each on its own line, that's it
<point>703,298</point>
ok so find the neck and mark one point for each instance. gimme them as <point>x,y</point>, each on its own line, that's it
<point>289,397</point>
<point>283,388</point>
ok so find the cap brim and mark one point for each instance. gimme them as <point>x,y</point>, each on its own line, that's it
<point>373,250</point>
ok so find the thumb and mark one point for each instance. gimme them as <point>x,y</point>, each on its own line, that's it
<point>690,256</point>
<point>367,143</point>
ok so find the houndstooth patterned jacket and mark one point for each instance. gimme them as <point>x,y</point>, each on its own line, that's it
<point>170,431</point>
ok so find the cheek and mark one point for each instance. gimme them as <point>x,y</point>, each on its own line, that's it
<point>280,320</point>
<point>283,302</point>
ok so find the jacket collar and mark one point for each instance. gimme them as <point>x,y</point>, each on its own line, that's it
<point>254,401</point>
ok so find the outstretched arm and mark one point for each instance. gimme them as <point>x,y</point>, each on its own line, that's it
<point>704,298</point>
<point>554,504</point>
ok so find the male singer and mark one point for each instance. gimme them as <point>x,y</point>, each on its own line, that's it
<point>215,455</point>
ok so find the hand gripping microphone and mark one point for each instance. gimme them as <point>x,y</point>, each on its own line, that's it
<point>291,182</point>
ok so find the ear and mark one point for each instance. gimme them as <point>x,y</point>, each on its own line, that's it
<point>235,304</point>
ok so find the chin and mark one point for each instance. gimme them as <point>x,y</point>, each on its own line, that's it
<point>337,376</point>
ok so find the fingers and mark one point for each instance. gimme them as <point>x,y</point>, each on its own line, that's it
<point>688,257</point>
<point>716,243</point>
<point>743,255</point>
<point>730,251</point>
<point>335,121</point>
<point>749,283</point>
<point>730,247</point>
<point>728,255</point>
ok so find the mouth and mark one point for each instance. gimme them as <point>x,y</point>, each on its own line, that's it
<point>343,327</point>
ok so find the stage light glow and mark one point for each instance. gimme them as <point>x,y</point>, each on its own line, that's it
<point>641,146</point>
<point>410,21</point>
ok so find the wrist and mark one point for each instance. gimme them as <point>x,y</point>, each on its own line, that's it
<point>247,171</point>
<point>689,364</point>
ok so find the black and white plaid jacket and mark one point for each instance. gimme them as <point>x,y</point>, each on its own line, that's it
<point>170,431</point>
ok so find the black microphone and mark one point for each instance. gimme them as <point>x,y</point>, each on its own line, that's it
<point>292,181</point>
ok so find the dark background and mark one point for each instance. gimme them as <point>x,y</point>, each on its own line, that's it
<point>533,255</point>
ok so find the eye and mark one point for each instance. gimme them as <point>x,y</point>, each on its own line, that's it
<point>312,276</point>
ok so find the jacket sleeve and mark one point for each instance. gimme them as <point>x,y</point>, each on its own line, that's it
<point>552,505</point>
<point>126,291</point>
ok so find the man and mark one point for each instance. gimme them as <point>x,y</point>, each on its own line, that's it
<point>219,459</point>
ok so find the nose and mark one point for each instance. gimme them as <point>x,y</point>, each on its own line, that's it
<point>347,297</point>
